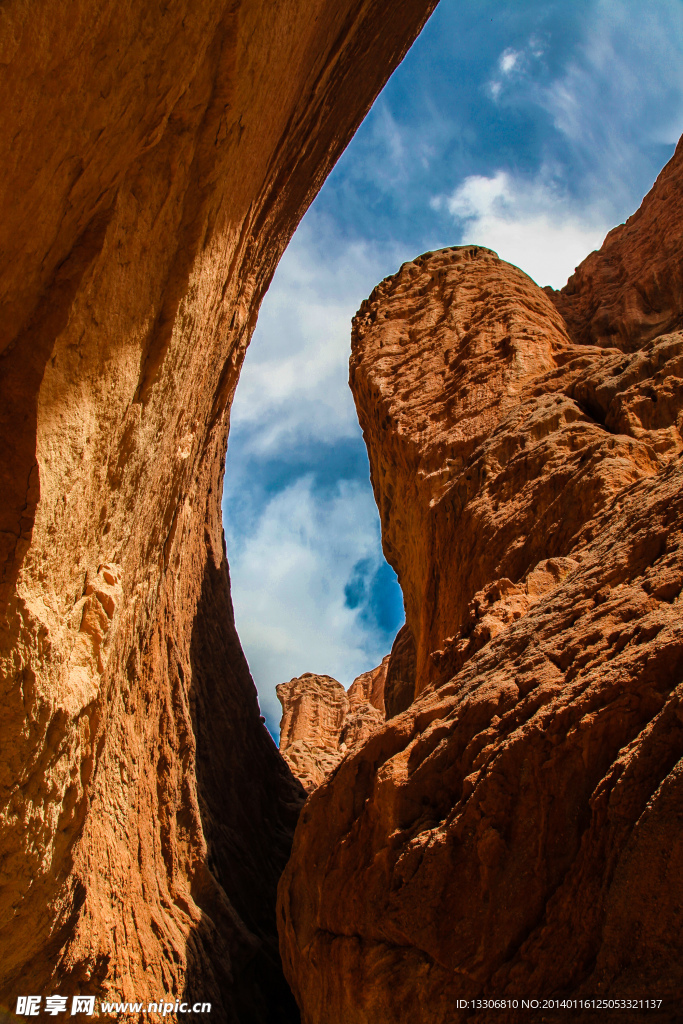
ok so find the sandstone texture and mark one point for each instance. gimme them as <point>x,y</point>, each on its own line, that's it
<point>399,686</point>
<point>157,159</point>
<point>322,722</point>
<point>517,831</point>
<point>631,291</point>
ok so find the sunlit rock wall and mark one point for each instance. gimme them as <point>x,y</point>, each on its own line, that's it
<point>517,831</point>
<point>157,159</point>
<point>322,722</point>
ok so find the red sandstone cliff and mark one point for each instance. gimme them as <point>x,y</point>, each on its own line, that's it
<point>157,159</point>
<point>322,722</point>
<point>517,830</point>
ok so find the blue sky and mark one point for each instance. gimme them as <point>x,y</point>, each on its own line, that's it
<point>529,126</point>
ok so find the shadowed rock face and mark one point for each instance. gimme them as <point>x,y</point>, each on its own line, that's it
<point>399,688</point>
<point>159,158</point>
<point>518,828</point>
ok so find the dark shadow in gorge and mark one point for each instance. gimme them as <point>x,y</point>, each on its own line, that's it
<point>249,805</point>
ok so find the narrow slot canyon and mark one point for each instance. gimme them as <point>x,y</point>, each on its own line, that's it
<point>491,809</point>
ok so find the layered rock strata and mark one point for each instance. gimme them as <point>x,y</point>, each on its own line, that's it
<point>158,159</point>
<point>322,722</point>
<point>517,830</point>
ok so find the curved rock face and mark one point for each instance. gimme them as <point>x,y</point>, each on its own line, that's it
<point>441,354</point>
<point>517,830</point>
<point>160,159</point>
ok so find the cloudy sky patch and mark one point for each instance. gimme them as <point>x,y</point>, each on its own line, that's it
<point>526,222</point>
<point>530,127</point>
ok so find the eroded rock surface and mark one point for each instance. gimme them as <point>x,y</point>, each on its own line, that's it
<point>631,291</point>
<point>158,159</point>
<point>322,722</point>
<point>399,686</point>
<point>313,712</point>
<point>518,829</point>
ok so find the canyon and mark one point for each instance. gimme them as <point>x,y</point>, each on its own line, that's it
<point>514,829</point>
<point>158,158</point>
<point>495,810</point>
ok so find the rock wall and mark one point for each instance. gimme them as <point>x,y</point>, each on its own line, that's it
<point>159,158</point>
<point>441,354</point>
<point>517,831</point>
<point>399,686</point>
<point>631,291</point>
<point>322,722</point>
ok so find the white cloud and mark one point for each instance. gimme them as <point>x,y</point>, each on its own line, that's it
<point>620,90</point>
<point>537,46</point>
<point>514,65</point>
<point>509,60</point>
<point>288,579</point>
<point>526,223</point>
<point>632,54</point>
<point>622,87</point>
<point>294,382</point>
<point>292,552</point>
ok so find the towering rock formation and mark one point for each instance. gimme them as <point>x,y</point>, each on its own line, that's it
<point>322,722</point>
<point>157,159</point>
<point>518,830</point>
<point>313,712</point>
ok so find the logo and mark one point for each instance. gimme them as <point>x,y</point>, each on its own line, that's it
<point>83,1004</point>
